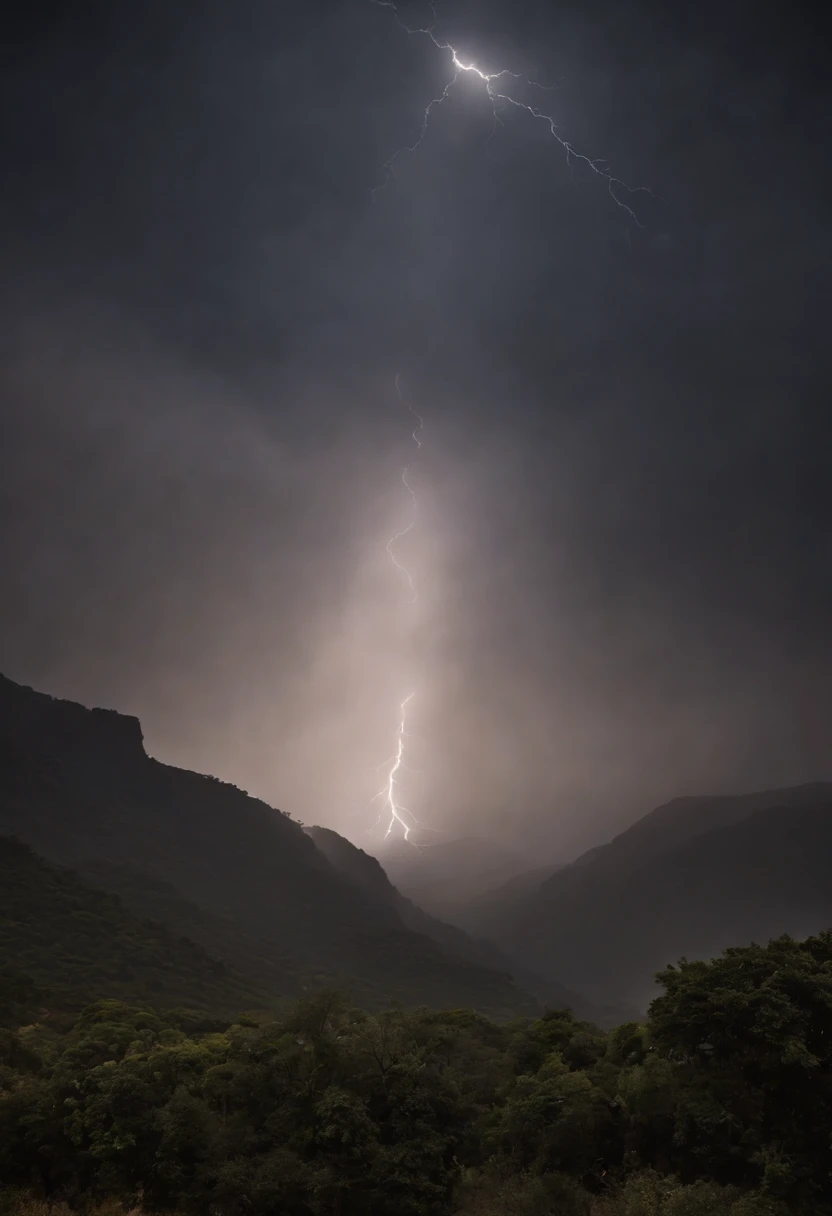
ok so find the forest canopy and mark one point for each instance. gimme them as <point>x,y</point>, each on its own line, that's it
<point>720,1104</point>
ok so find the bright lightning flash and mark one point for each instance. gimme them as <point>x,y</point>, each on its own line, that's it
<point>398,813</point>
<point>394,812</point>
<point>495,84</point>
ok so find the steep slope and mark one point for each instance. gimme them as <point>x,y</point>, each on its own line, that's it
<point>83,945</point>
<point>368,874</point>
<point>77,785</point>
<point>253,955</point>
<point>511,907</point>
<point>608,932</point>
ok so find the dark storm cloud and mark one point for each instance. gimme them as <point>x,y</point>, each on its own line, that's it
<point>624,557</point>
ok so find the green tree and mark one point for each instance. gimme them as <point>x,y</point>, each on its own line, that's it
<point>749,1036</point>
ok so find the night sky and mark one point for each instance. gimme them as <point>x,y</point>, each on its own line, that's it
<point>623,552</point>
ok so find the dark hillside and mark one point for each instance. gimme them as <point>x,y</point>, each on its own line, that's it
<point>662,829</point>
<point>80,943</point>
<point>77,785</point>
<point>608,933</point>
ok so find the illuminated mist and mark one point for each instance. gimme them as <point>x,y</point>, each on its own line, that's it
<point>390,795</point>
<point>215,264</point>
<point>395,812</point>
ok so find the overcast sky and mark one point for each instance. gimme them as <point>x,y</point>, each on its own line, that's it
<point>623,551</point>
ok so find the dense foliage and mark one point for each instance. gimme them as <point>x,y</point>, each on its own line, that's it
<point>721,1105</point>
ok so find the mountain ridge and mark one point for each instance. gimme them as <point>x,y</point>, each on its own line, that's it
<point>79,788</point>
<point>750,878</point>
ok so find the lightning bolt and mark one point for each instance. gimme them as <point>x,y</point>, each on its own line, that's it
<point>393,810</point>
<point>495,85</point>
<point>390,793</point>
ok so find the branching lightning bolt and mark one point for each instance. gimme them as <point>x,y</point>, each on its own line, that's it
<point>393,810</point>
<point>497,86</point>
<point>494,84</point>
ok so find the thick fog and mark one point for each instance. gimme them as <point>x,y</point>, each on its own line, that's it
<point>622,547</point>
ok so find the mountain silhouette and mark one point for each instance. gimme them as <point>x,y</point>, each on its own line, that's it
<point>690,878</point>
<point>240,878</point>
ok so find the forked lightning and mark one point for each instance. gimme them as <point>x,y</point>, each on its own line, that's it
<point>495,83</point>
